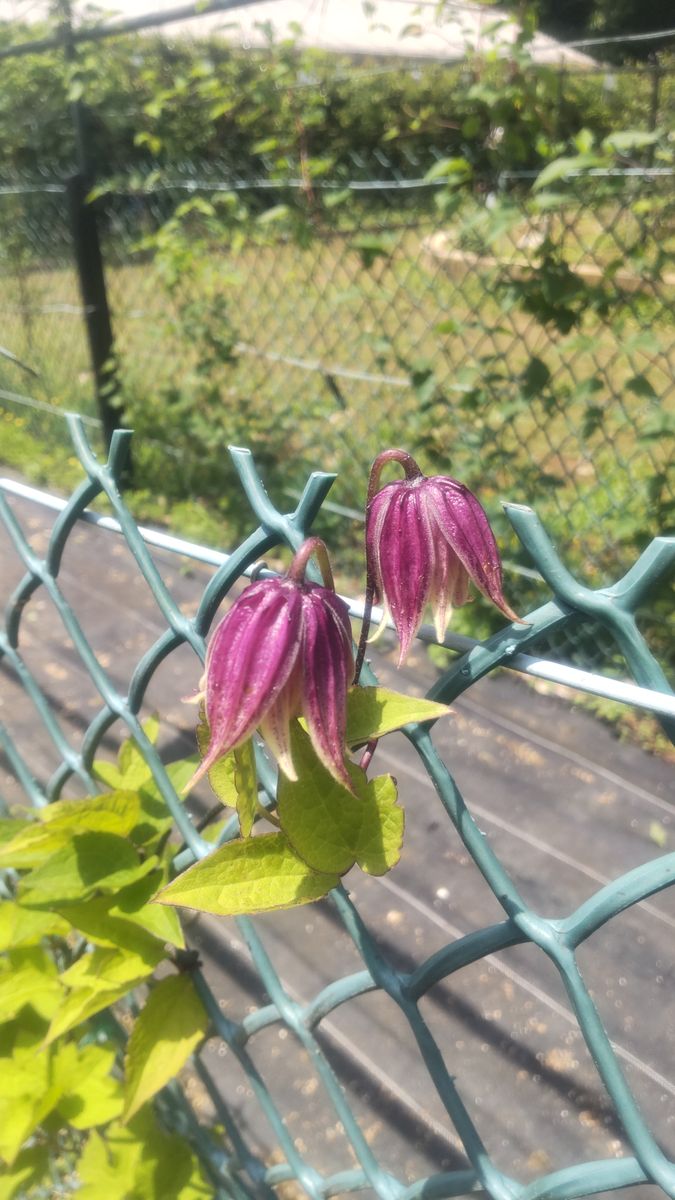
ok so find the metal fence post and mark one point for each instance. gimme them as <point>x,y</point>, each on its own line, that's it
<point>654,105</point>
<point>91,279</point>
<point>88,256</point>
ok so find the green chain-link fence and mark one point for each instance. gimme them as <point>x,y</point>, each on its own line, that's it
<point>505,342</point>
<point>292,1007</point>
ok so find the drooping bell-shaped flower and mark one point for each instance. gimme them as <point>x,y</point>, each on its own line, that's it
<point>283,650</point>
<point>426,538</point>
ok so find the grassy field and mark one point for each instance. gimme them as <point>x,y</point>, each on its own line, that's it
<point>336,359</point>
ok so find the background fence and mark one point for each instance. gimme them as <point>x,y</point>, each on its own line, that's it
<point>513,344</point>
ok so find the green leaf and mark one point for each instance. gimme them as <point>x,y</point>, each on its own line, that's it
<point>27,1095</point>
<point>92,919</point>
<point>535,377</point>
<point>370,247</point>
<point>253,875</point>
<point>26,927</point>
<point>126,919</point>
<point>374,711</point>
<point>89,862</point>
<point>221,775</point>
<point>246,783</point>
<point>168,1029</point>
<point>448,325</point>
<point>280,212</point>
<point>454,170</point>
<point>639,385</point>
<point>83,1003</point>
<point>27,1171</point>
<point>213,832</point>
<point>658,834</point>
<point>132,770</point>
<point>133,904</point>
<point>90,1094</point>
<point>155,821</point>
<point>139,1162</point>
<point>560,168</point>
<point>329,827</point>
<point>626,140</point>
<point>9,828</point>
<point>96,981</point>
<point>116,813</point>
<point>108,1167</point>
<point>334,199</point>
<point>102,969</point>
<point>233,777</point>
<point>28,977</point>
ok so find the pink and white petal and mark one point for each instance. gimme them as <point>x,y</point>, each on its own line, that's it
<point>275,725</point>
<point>407,557</point>
<point>438,589</point>
<point>257,645</point>
<point>458,582</point>
<point>327,675</point>
<point>375,517</point>
<point>464,525</point>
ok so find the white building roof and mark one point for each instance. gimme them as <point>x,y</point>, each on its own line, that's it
<point>408,29</point>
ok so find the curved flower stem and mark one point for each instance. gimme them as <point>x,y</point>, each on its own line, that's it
<point>367,756</point>
<point>267,814</point>
<point>365,624</point>
<point>312,546</point>
<point>406,460</point>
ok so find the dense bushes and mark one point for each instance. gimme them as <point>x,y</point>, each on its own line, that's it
<point>152,100</point>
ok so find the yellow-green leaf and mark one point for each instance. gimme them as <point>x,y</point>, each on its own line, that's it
<point>28,977</point>
<point>28,1170</point>
<point>139,1160</point>
<point>126,919</point>
<point>89,862</point>
<point>27,1095</point>
<point>170,1026</point>
<point>116,813</point>
<point>27,926</point>
<point>131,770</point>
<point>222,773</point>
<point>81,1004</point>
<point>374,711</point>
<point>246,784</point>
<point>10,827</point>
<point>330,828</point>
<point>90,1094</point>
<point>96,981</point>
<point>107,968</point>
<point>93,919</point>
<point>120,807</point>
<point>252,875</point>
<point>658,834</point>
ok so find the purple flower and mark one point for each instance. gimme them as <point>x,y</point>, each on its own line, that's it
<point>283,650</point>
<point>426,537</point>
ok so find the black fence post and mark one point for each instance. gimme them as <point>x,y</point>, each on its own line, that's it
<point>87,247</point>
<point>654,106</point>
<point>89,260</point>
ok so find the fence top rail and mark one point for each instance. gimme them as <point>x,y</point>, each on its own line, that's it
<point>591,683</point>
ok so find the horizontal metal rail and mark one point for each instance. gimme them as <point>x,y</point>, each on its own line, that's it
<point>588,682</point>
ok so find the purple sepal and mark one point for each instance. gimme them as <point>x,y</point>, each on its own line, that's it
<point>283,650</point>
<point>426,538</point>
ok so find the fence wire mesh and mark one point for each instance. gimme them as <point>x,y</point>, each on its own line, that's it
<point>260,1000</point>
<point>506,342</point>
